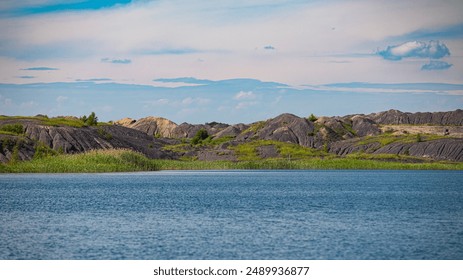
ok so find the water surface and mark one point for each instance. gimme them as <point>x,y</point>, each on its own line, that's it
<point>233,215</point>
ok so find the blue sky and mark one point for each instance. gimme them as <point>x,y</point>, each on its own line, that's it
<point>229,61</point>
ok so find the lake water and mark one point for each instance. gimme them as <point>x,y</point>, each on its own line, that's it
<point>233,215</point>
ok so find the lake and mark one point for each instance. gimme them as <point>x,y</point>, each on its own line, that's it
<point>233,215</point>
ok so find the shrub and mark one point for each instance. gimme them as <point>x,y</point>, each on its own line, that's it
<point>312,118</point>
<point>43,151</point>
<point>199,136</point>
<point>13,128</point>
<point>91,120</point>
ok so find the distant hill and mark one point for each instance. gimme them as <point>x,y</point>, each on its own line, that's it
<point>409,136</point>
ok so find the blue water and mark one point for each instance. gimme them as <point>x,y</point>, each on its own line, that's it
<point>233,215</point>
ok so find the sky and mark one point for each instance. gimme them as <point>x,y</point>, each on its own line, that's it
<point>230,61</point>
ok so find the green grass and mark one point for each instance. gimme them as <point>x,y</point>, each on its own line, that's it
<point>90,162</point>
<point>74,122</point>
<point>255,127</point>
<point>314,163</point>
<point>249,151</point>
<point>128,161</point>
<point>387,138</point>
<point>12,129</point>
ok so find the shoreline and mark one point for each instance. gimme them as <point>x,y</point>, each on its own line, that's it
<point>110,161</point>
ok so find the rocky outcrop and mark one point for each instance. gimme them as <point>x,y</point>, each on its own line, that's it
<point>71,140</point>
<point>231,131</point>
<point>364,126</point>
<point>338,135</point>
<point>186,130</point>
<point>343,148</point>
<point>284,128</point>
<point>441,149</point>
<point>437,118</point>
<point>154,126</point>
<point>125,122</point>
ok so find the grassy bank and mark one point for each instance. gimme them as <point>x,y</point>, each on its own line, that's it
<point>90,162</point>
<point>128,161</point>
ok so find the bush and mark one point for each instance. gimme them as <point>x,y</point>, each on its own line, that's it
<point>199,136</point>
<point>312,118</point>
<point>91,120</point>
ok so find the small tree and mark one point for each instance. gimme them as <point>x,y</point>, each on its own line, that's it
<point>312,118</point>
<point>199,136</point>
<point>92,119</point>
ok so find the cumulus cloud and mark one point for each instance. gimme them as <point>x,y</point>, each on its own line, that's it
<point>244,95</point>
<point>116,61</point>
<point>415,49</point>
<point>436,65</point>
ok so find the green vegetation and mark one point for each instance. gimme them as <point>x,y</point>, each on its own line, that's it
<point>59,121</point>
<point>12,129</point>
<point>104,134</point>
<point>91,120</point>
<point>312,118</point>
<point>90,162</point>
<point>249,151</point>
<point>348,127</point>
<point>255,127</point>
<point>386,139</point>
<point>43,151</point>
<point>127,161</point>
<point>199,137</point>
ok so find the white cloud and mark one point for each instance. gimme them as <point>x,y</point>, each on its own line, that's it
<point>244,105</point>
<point>198,100</point>
<point>433,49</point>
<point>60,99</point>
<point>244,95</point>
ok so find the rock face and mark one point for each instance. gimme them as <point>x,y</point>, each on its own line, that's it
<point>364,126</point>
<point>438,118</point>
<point>77,140</point>
<point>232,131</point>
<point>186,130</point>
<point>125,122</point>
<point>284,128</point>
<point>441,149</point>
<point>154,126</point>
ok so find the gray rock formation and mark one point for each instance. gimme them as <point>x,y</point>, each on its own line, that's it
<point>77,140</point>
<point>364,126</point>
<point>284,128</point>
<point>437,118</point>
<point>340,135</point>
